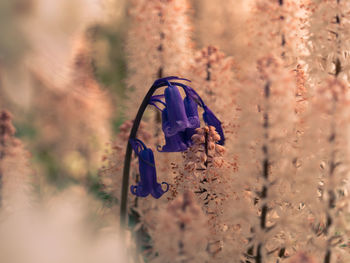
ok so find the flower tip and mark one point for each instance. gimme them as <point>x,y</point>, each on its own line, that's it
<point>222,141</point>
<point>157,191</point>
<point>137,145</point>
<point>139,191</point>
<point>211,120</point>
<point>167,186</point>
<point>133,189</point>
<point>175,143</point>
<point>160,148</point>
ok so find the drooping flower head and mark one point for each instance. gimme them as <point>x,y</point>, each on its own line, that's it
<point>148,177</point>
<point>179,121</point>
<point>180,116</point>
<point>208,116</point>
<point>184,122</point>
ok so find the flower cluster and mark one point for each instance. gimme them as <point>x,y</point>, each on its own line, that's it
<point>180,116</point>
<point>180,119</point>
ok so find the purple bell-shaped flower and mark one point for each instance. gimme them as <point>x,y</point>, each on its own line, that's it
<point>208,116</point>
<point>210,119</point>
<point>148,178</point>
<point>176,112</point>
<point>173,143</point>
<point>191,108</point>
<point>180,117</point>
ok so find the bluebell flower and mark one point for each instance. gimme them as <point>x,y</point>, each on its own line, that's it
<point>181,140</point>
<point>148,177</point>
<point>208,116</point>
<point>180,116</point>
<point>176,112</point>
<point>191,108</point>
<point>210,119</point>
<point>173,143</point>
<point>190,93</point>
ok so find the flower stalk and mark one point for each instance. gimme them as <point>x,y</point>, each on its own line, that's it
<point>179,120</point>
<point>127,160</point>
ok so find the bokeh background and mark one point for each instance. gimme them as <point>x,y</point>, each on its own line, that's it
<point>275,73</point>
<point>64,76</point>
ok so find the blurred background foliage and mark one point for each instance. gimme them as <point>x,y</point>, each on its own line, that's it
<point>70,165</point>
<point>41,80</point>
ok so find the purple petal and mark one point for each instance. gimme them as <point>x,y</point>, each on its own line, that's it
<point>160,96</point>
<point>157,190</point>
<point>154,100</point>
<point>147,172</point>
<point>190,92</point>
<point>191,108</point>
<point>147,168</point>
<point>139,190</point>
<point>137,145</point>
<point>188,136</point>
<point>176,114</point>
<point>148,178</point>
<point>212,120</point>
<point>175,143</point>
